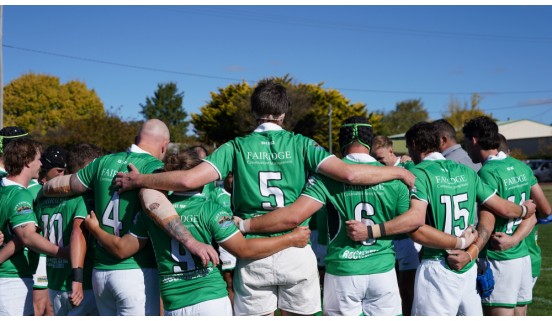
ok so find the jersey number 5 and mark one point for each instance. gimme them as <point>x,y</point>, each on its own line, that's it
<point>268,191</point>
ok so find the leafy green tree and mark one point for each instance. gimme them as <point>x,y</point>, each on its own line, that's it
<point>406,114</point>
<point>109,132</point>
<point>39,102</point>
<point>166,105</point>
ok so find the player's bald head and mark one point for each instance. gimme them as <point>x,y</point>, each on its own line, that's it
<point>154,137</point>
<point>153,130</point>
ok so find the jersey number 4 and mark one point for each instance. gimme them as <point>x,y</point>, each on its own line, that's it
<point>110,216</point>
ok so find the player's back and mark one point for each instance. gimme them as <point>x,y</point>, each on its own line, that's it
<point>115,211</point>
<point>372,204</point>
<point>452,191</point>
<point>270,169</point>
<point>513,180</point>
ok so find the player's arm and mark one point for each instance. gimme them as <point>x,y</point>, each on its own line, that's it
<point>283,218</point>
<point>65,185</point>
<point>182,180</point>
<point>156,205</point>
<point>363,174</point>
<point>501,241</point>
<point>434,238</point>
<point>544,210</point>
<point>457,259</point>
<point>10,248</point>
<point>78,252</point>
<point>36,242</point>
<point>122,247</point>
<point>258,248</point>
<point>404,223</point>
<point>507,209</point>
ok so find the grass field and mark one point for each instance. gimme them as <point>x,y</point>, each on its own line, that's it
<point>542,295</point>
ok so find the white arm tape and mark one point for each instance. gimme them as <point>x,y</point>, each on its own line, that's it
<point>58,186</point>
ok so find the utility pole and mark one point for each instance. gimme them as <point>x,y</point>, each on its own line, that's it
<point>330,128</point>
<point>1,76</point>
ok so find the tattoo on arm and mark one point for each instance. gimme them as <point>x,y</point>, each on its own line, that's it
<point>178,231</point>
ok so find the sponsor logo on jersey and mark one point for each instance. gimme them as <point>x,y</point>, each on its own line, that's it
<point>23,208</point>
<point>225,221</point>
<point>515,180</point>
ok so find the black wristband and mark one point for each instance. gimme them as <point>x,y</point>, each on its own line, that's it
<point>78,275</point>
<point>382,229</point>
<point>370,233</point>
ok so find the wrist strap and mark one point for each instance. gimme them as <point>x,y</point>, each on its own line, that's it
<point>78,275</point>
<point>523,211</point>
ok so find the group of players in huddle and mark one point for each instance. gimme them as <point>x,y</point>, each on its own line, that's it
<point>119,231</point>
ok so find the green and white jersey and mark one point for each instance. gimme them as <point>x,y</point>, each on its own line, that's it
<point>221,197</point>
<point>270,168</point>
<point>115,211</point>
<point>452,192</point>
<point>16,208</point>
<point>183,281</point>
<point>373,204</point>
<point>3,172</point>
<point>56,217</point>
<point>406,165</point>
<point>534,251</point>
<point>513,180</point>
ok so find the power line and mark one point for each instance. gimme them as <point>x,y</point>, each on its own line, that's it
<point>99,61</point>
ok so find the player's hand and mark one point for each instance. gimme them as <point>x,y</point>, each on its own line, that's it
<point>501,241</point>
<point>408,179</point>
<point>237,221</point>
<point>204,251</point>
<point>1,238</point>
<point>470,235</point>
<point>91,222</point>
<point>531,208</point>
<point>127,181</point>
<point>76,295</point>
<point>457,259</point>
<point>405,158</point>
<point>356,231</point>
<point>300,236</point>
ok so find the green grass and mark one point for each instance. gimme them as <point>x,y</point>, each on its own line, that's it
<point>542,296</point>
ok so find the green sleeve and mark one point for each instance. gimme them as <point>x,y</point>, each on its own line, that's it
<point>222,159</point>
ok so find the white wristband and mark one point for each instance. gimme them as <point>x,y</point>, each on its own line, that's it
<point>242,227</point>
<point>463,243</point>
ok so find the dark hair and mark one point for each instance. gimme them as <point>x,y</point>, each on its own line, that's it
<point>269,98</point>
<point>182,160</point>
<point>503,147</point>
<point>444,128</point>
<point>350,132</point>
<point>20,153</point>
<point>11,133</point>
<point>380,142</point>
<point>80,155</point>
<point>424,136</point>
<point>485,130</point>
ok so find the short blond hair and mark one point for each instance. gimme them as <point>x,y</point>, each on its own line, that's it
<point>381,142</point>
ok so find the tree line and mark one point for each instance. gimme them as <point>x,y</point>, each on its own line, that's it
<point>71,113</point>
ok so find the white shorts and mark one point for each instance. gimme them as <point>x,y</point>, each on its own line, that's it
<point>513,283</point>
<point>216,307</point>
<point>63,307</point>
<point>319,250</point>
<point>374,295</point>
<point>407,254</point>
<point>287,280</point>
<point>440,291</point>
<point>126,292</point>
<point>16,296</point>
<point>227,259</point>
<point>39,278</point>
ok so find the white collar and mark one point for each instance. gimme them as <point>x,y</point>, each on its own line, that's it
<point>398,161</point>
<point>499,156</point>
<point>188,194</point>
<point>135,149</point>
<point>360,158</point>
<point>9,182</point>
<point>434,156</point>
<point>266,127</point>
